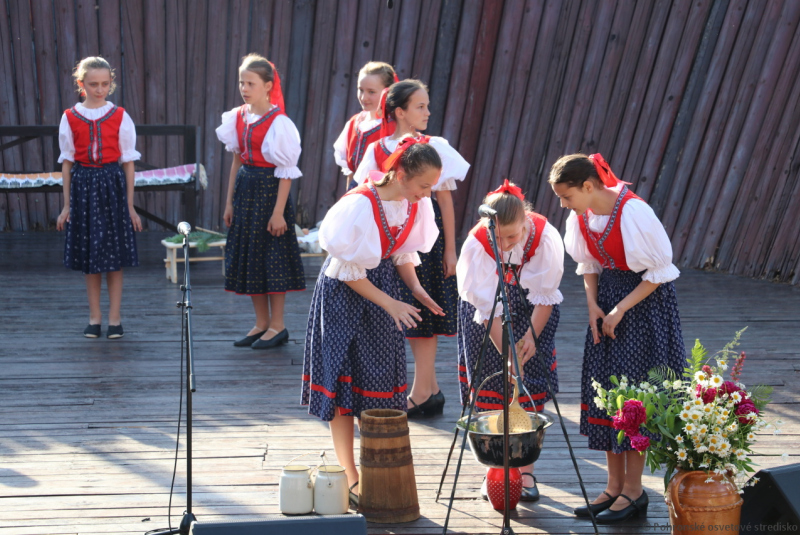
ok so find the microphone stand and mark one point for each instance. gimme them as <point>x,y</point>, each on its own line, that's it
<point>186,335</point>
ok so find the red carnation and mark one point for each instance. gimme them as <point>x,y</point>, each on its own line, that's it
<point>640,443</point>
<point>709,395</point>
<point>630,417</point>
<point>744,408</point>
<point>728,388</point>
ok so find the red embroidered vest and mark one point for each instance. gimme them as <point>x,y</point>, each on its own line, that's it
<point>537,222</point>
<point>607,246</point>
<point>100,136</point>
<point>358,141</point>
<point>251,136</point>
<point>382,153</point>
<point>392,238</point>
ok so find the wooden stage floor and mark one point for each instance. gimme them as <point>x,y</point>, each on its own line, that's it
<point>87,427</point>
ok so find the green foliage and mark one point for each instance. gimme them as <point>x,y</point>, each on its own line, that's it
<point>201,238</point>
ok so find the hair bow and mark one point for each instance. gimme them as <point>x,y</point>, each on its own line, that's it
<point>511,189</point>
<point>396,79</point>
<point>394,158</point>
<point>604,172</point>
<point>388,124</point>
<point>276,93</point>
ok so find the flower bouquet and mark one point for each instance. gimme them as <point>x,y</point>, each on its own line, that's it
<point>701,421</point>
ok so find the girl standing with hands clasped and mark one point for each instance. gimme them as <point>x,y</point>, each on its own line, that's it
<point>262,258</point>
<point>406,104</point>
<point>355,354</point>
<point>95,137</point>
<point>363,128</point>
<point>532,248</point>
<point>625,258</point>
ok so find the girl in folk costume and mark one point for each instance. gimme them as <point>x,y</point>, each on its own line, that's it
<point>532,248</point>
<point>625,258</point>
<point>406,103</point>
<point>364,128</point>
<point>262,258</point>
<point>98,148</point>
<point>355,354</point>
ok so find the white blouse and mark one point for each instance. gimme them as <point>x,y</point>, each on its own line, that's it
<point>476,272</point>
<point>127,134</point>
<point>454,166</point>
<point>281,145</point>
<point>352,238</point>
<point>647,246</point>
<point>340,145</point>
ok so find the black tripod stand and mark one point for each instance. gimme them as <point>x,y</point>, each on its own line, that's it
<point>508,349</point>
<point>185,304</point>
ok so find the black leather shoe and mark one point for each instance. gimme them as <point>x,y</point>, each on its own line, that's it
<point>583,511</point>
<point>637,508</point>
<point>529,494</point>
<point>248,340</point>
<point>92,331</point>
<point>279,339</point>
<point>353,497</point>
<point>439,400</point>
<point>114,332</point>
<point>430,407</point>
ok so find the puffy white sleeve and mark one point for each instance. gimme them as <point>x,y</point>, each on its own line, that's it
<point>340,151</point>
<point>368,163</point>
<point>575,245</point>
<point>454,166</point>
<point>541,275</point>
<point>281,146</point>
<point>476,273</point>
<point>226,132</point>
<point>422,237</point>
<point>127,140</point>
<point>350,236</point>
<point>647,246</point>
<point>65,142</point>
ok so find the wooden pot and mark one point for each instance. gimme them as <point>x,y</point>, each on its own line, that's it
<point>387,486</point>
<point>695,506</point>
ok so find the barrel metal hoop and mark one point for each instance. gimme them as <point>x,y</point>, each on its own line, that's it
<point>403,461</point>
<point>394,434</point>
<point>383,513</point>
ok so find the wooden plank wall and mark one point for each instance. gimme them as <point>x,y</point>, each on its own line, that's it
<point>695,103</point>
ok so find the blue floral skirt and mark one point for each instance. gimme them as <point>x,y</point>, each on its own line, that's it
<point>470,338</point>
<point>648,336</point>
<point>354,357</point>
<point>256,262</point>
<point>443,291</point>
<point>99,235</point>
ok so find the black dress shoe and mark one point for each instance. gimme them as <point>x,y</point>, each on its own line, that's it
<point>529,494</point>
<point>279,339</point>
<point>353,497</point>
<point>430,407</point>
<point>636,508</point>
<point>248,340</point>
<point>439,400</point>
<point>92,331</point>
<point>583,511</point>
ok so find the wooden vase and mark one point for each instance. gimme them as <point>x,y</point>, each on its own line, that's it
<point>699,507</point>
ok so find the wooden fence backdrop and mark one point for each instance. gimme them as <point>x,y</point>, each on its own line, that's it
<point>694,102</point>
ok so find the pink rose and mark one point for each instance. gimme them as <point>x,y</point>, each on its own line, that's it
<point>640,443</point>
<point>633,411</point>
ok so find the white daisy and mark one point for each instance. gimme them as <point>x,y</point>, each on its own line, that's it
<point>682,455</point>
<point>716,381</point>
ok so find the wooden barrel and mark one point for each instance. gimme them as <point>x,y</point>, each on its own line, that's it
<point>387,487</point>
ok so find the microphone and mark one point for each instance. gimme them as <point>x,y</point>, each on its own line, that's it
<point>184,228</point>
<point>486,211</point>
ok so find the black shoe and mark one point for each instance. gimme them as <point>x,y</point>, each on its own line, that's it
<point>280,338</point>
<point>637,508</point>
<point>439,400</point>
<point>353,498</point>
<point>529,494</point>
<point>92,331</point>
<point>114,332</point>
<point>248,340</point>
<point>583,511</point>
<point>430,407</point>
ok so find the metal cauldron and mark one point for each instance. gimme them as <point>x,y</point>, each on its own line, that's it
<point>487,447</point>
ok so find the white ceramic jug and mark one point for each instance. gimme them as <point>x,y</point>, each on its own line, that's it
<point>331,495</point>
<point>296,490</point>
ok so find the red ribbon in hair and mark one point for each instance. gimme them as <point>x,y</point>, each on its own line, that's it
<point>607,176</point>
<point>388,124</point>
<point>396,79</point>
<point>511,189</point>
<point>393,160</point>
<point>276,93</point>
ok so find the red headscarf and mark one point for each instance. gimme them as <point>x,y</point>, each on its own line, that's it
<point>276,93</point>
<point>511,189</point>
<point>393,161</point>
<point>607,176</point>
